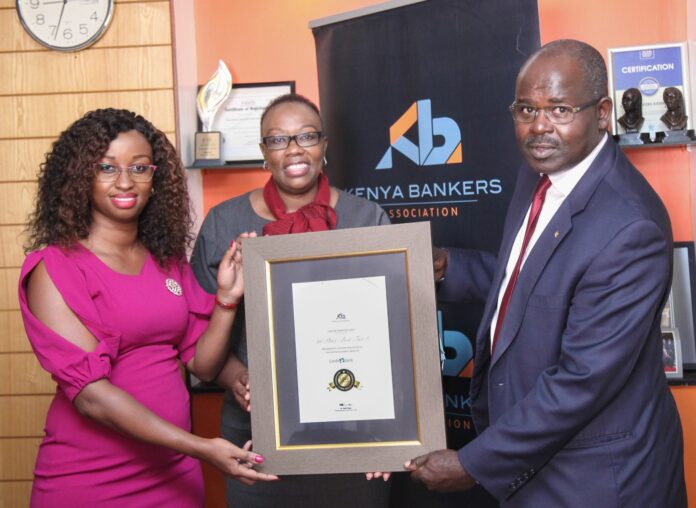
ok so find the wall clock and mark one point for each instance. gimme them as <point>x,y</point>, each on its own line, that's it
<point>65,25</point>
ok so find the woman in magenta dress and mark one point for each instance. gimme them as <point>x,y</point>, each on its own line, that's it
<point>112,308</point>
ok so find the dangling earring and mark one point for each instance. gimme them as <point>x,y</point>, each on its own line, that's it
<point>265,165</point>
<point>325,161</point>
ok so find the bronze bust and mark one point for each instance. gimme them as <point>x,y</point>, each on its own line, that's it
<point>632,102</point>
<point>675,117</point>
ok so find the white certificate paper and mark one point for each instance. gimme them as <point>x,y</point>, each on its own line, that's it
<point>342,350</point>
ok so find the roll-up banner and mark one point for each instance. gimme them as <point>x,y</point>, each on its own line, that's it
<point>415,96</point>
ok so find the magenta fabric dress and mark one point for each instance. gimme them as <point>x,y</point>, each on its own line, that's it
<point>143,328</point>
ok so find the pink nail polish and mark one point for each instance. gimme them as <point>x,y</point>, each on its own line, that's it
<point>259,459</point>
<point>232,244</point>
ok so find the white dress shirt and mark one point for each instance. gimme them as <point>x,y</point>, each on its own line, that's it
<point>562,184</point>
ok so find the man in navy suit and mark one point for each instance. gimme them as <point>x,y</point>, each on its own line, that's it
<point>568,395</point>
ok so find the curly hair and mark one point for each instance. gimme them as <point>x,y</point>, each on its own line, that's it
<point>63,212</point>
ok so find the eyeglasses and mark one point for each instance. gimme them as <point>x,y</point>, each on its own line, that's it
<point>106,172</point>
<point>557,114</point>
<point>303,139</point>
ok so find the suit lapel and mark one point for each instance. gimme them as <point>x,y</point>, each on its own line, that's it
<point>550,238</point>
<point>558,228</point>
<point>517,210</point>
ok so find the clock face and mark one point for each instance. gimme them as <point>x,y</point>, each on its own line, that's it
<point>65,25</point>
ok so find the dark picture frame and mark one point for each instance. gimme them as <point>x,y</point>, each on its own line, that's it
<point>682,300</point>
<point>239,118</point>
<point>276,268</point>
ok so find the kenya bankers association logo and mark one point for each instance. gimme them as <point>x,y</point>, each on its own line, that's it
<point>424,153</point>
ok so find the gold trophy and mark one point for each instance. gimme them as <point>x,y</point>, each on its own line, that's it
<point>211,97</point>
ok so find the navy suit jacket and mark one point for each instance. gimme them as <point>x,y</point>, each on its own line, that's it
<point>573,408</point>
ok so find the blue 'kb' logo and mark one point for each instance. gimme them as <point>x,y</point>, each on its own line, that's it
<point>424,153</point>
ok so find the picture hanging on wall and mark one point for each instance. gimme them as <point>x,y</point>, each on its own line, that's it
<point>672,354</point>
<point>681,301</point>
<point>649,86</point>
<point>238,120</point>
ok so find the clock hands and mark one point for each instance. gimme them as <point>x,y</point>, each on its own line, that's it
<point>60,18</point>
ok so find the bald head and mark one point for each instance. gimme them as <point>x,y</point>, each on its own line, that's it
<point>594,70</point>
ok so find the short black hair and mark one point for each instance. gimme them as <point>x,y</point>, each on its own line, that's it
<point>292,98</point>
<point>594,69</point>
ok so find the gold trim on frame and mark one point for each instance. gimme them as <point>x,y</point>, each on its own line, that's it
<point>260,255</point>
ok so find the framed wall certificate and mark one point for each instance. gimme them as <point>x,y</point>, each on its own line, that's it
<point>344,356</point>
<point>239,119</point>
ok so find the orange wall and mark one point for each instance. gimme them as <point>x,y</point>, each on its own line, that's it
<point>270,41</point>
<point>265,40</point>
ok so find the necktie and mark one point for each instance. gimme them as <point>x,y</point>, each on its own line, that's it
<point>537,203</point>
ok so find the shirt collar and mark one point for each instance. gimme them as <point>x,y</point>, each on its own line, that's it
<point>564,181</point>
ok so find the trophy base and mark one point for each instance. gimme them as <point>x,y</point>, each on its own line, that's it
<point>208,150</point>
<point>659,138</point>
<point>632,139</point>
<point>679,137</point>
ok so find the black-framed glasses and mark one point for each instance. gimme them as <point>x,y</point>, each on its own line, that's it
<point>106,172</point>
<point>557,114</point>
<point>303,139</point>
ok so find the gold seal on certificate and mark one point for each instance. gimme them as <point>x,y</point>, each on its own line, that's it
<point>211,96</point>
<point>344,380</point>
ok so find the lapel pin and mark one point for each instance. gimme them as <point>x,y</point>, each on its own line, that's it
<point>555,235</point>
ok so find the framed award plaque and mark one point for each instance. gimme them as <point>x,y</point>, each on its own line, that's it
<point>344,355</point>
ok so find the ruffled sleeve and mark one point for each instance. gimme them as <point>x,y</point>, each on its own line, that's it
<point>70,366</point>
<point>200,306</point>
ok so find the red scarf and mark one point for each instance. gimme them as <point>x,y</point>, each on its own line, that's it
<point>316,216</point>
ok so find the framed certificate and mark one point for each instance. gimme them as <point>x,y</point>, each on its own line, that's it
<point>638,79</point>
<point>344,355</point>
<point>239,120</point>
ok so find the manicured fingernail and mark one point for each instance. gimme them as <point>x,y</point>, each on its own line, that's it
<point>231,244</point>
<point>259,459</point>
